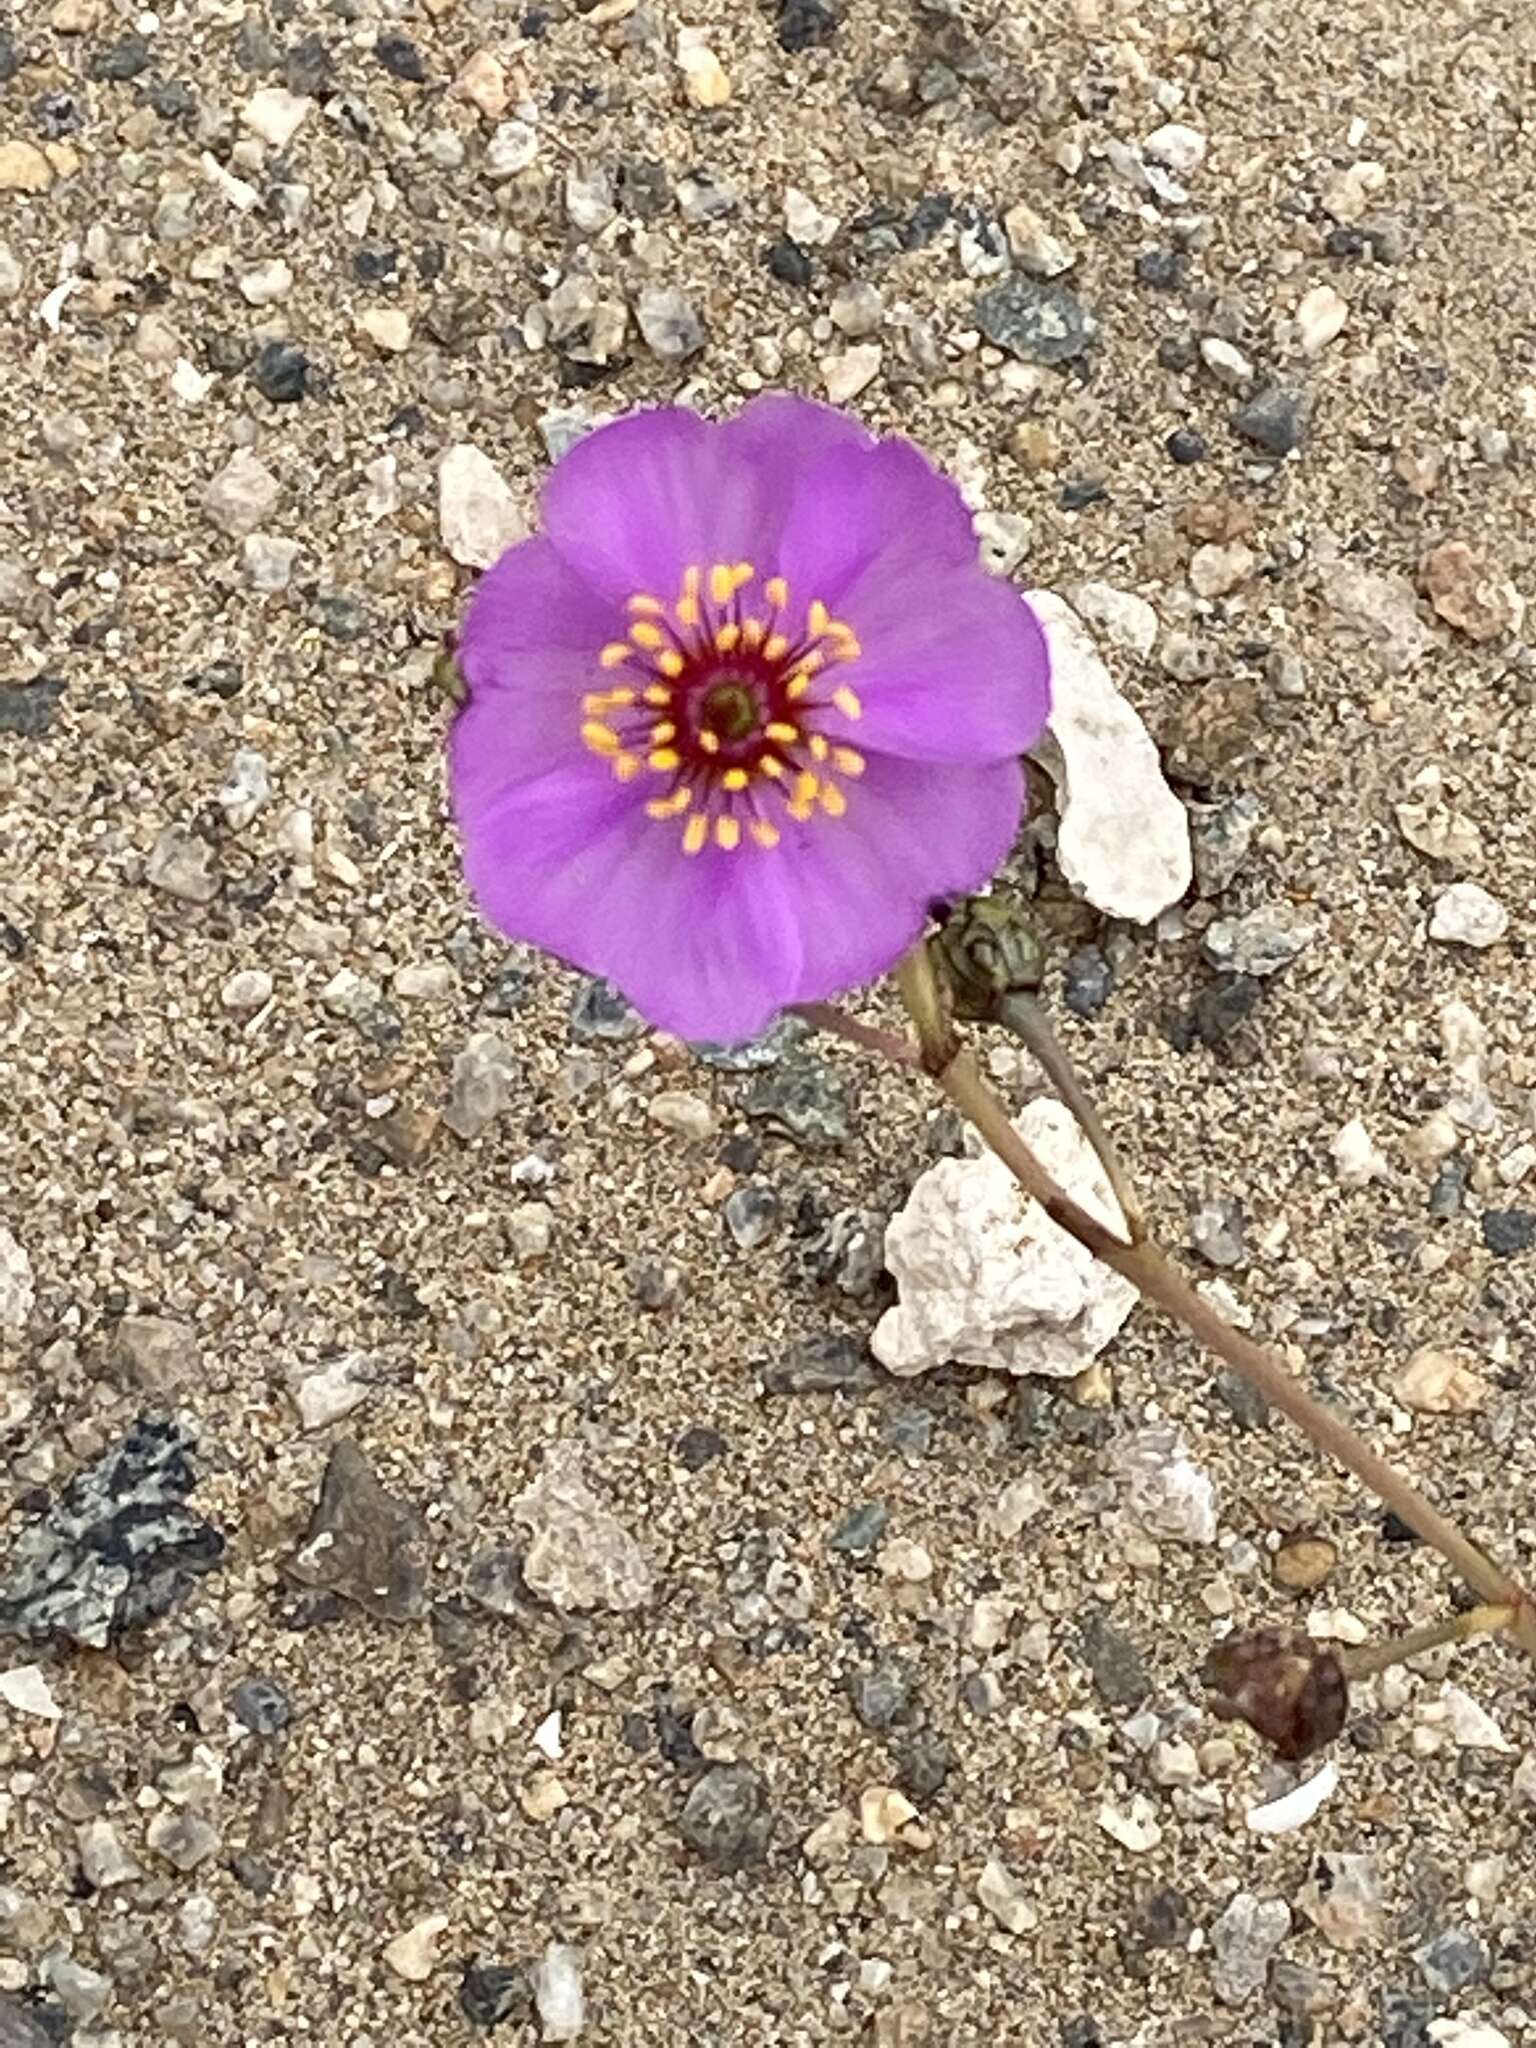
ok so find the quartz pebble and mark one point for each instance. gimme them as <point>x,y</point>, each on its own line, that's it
<point>579,1555</point>
<point>1123,840</point>
<point>275,114</point>
<point>1243,1940</point>
<point>1007,1898</point>
<point>1356,1161</point>
<point>985,1278</point>
<point>1172,1497</point>
<point>558,1992</point>
<point>1466,914</point>
<point>412,1956</point>
<point>1320,318</point>
<point>851,371</point>
<point>478,516</point>
<point>242,496</point>
<point>16,1287</point>
<point>1440,1382</point>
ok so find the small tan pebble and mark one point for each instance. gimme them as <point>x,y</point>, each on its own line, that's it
<point>1466,592</point>
<point>388,328</point>
<point>74,17</point>
<point>1303,1563</point>
<point>1436,1382</point>
<point>903,1559</point>
<point>1348,197</point>
<point>705,83</point>
<point>988,1622</point>
<point>1432,1142</point>
<point>413,1955</point>
<point>1172,1764</point>
<point>851,371</point>
<point>685,1115</point>
<point>543,1796</point>
<point>1033,446</point>
<point>857,308</point>
<point>483,82</point>
<point>425,981</point>
<point>884,1812</point>
<point>24,168</point>
<point>1216,571</point>
<point>1320,318</point>
<point>1356,1161</point>
<point>530,1231</point>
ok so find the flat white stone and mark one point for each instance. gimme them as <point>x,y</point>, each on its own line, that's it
<point>1294,1808</point>
<point>1124,840</point>
<point>983,1275</point>
<point>478,514</point>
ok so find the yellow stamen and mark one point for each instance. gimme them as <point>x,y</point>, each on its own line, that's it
<point>775,647</point>
<point>752,631</point>
<point>645,633</point>
<point>796,687</point>
<point>818,618</point>
<point>848,760</point>
<point>764,833</point>
<point>806,786</point>
<point>664,760</point>
<point>833,802</point>
<point>727,636</point>
<point>663,732</point>
<point>606,700</point>
<point>771,766</point>
<point>811,662</point>
<point>695,832</point>
<point>847,701</point>
<point>693,580</point>
<point>728,833</point>
<point>671,663</point>
<point>651,606</point>
<point>658,694</point>
<point>626,766</point>
<point>741,575</point>
<point>709,741</point>
<point>801,813</point>
<point>848,648</point>
<point>669,806</point>
<point>818,746</point>
<point>776,589</point>
<point>722,582</point>
<point>600,738</point>
<point>735,778</point>
<point>687,611</point>
<point>615,654</point>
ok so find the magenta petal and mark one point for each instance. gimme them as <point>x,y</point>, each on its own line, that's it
<point>639,501</point>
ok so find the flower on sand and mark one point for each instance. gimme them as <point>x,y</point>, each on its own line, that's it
<point>745,707</point>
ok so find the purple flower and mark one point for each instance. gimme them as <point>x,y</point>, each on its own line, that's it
<point>741,713</point>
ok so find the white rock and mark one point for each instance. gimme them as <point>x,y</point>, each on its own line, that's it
<point>242,495</point>
<point>530,1232</point>
<point>182,865</point>
<point>1172,1497</point>
<point>189,384</point>
<point>1123,840</point>
<point>1295,1808</point>
<point>248,989</point>
<point>1349,195</point>
<point>579,1556</point>
<point>704,78</point>
<point>1320,318</point>
<point>275,114</point>
<point>1381,610</point>
<point>1356,1161</point>
<point>483,1074</point>
<point>1227,364</point>
<point>857,308</point>
<point>25,1689</point>
<point>16,1290</point>
<point>413,1955</point>
<point>247,790</point>
<point>1120,615</point>
<point>266,284</point>
<point>1435,1381</point>
<point>851,371</point>
<point>1465,914</point>
<point>805,220</point>
<point>1134,1827</point>
<point>269,561</point>
<point>983,1275</point>
<point>685,1115</point>
<point>1471,1726</point>
<point>333,1392</point>
<point>477,512</point>
<point>12,275</point>
<point>557,1992</point>
<point>511,149</point>
<point>1003,538</point>
<point>1464,1041</point>
<point>1007,1898</point>
<point>1460,2033</point>
<point>1176,147</point>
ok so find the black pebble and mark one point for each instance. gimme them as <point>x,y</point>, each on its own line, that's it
<point>789,263</point>
<point>309,68</point>
<point>805,24</point>
<point>1160,269</point>
<point>698,1447</point>
<point>492,1992</point>
<point>173,99</point>
<point>1186,446</point>
<point>1087,982</point>
<point>122,60</point>
<point>281,372</point>
<point>376,263</point>
<point>1507,1232</point>
<point>1079,492</point>
<point>56,114</point>
<point>401,59</point>
<point>1178,352</point>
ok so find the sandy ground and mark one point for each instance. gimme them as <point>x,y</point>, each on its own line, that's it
<point>202,1123</point>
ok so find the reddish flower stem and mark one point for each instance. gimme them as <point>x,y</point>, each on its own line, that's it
<point>1156,1278</point>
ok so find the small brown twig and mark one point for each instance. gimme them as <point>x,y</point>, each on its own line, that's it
<point>838,1024</point>
<point>1458,1628</point>
<point>1020,1015</point>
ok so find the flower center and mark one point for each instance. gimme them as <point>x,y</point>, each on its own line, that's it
<point>729,700</point>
